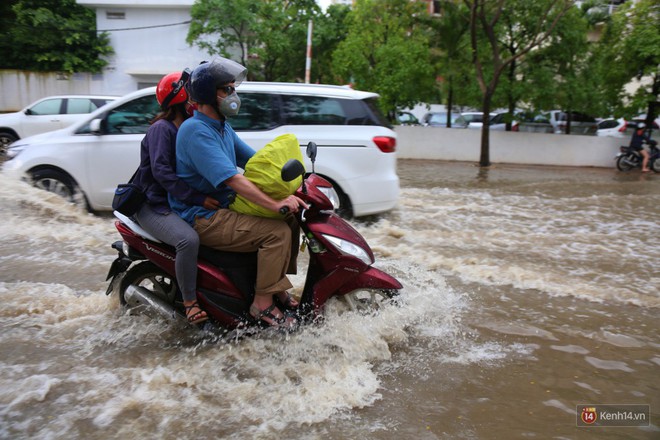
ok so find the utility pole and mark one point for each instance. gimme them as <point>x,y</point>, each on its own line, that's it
<point>308,61</point>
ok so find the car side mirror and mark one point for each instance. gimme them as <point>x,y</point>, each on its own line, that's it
<point>28,111</point>
<point>96,126</point>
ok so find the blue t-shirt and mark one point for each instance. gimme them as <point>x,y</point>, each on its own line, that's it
<point>208,152</point>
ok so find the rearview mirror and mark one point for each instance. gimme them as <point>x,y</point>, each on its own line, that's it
<point>292,170</point>
<point>311,151</point>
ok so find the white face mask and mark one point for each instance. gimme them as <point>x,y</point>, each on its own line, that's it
<point>230,105</point>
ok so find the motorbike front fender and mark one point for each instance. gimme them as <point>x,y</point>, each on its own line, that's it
<point>372,278</point>
<point>340,282</point>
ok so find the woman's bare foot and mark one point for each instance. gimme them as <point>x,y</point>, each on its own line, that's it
<point>270,314</point>
<point>194,313</point>
<point>287,300</point>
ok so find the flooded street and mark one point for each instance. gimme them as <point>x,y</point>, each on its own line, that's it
<point>527,291</point>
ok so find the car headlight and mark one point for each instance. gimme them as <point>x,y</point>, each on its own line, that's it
<point>348,248</point>
<point>331,194</point>
<point>14,150</point>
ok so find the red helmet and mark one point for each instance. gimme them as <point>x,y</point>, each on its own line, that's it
<point>171,90</point>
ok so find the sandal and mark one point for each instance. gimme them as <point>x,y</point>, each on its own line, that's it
<point>289,302</point>
<point>195,318</point>
<point>276,322</point>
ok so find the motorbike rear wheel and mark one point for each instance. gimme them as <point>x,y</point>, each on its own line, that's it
<point>655,165</point>
<point>626,162</point>
<point>152,279</point>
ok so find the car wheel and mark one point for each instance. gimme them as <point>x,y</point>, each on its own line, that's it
<point>6,139</point>
<point>56,182</point>
<point>345,209</point>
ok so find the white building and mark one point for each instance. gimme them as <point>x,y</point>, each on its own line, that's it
<point>149,40</point>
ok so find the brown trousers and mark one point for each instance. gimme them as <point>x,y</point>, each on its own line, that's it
<point>275,241</point>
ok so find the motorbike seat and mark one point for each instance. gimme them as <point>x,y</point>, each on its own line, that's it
<point>226,259</point>
<point>223,259</point>
<point>135,227</point>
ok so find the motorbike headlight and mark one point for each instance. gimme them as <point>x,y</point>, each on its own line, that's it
<point>348,248</point>
<point>331,194</point>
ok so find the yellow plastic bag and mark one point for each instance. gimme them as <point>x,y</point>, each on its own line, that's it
<point>264,170</point>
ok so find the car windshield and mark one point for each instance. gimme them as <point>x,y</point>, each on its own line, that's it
<point>438,118</point>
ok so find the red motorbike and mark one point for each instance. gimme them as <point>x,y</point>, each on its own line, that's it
<point>340,264</point>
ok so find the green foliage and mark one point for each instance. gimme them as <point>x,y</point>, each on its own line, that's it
<point>52,35</point>
<point>562,71</point>
<point>269,36</point>
<point>630,51</point>
<point>386,50</point>
<point>329,32</point>
<point>451,53</point>
<point>532,23</point>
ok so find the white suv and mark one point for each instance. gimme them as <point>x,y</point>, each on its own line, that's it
<point>356,145</point>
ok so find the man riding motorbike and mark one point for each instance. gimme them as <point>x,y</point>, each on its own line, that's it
<point>639,137</point>
<point>208,155</point>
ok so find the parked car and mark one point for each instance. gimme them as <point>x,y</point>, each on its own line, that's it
<point>612,127</point>
<point>499,120</point>
<point>472,119</point>
<point>47,114</point>
<point>356,145</point>
<point>555,121</point>
<point>407,118</point>
<point>439,119</point>
<point>580,123</point>
<point>531,122</point>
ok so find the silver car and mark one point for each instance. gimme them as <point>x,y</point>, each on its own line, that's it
<point>47,114</point>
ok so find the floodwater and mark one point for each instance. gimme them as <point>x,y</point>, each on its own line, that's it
<point>527,291</point>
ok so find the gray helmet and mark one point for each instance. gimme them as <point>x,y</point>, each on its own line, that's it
<point>209,76</point>
<point>641,125</point>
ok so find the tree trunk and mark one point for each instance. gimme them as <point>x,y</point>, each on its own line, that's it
<point>484,160</point>
<point>450,103</point>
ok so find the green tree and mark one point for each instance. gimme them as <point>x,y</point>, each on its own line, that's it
<point>386,50</point>
<point>488,56</point>
<point>268,37</point>
<point>450,30</point>
<point>562,72</point>
<point>53,35</point>
<point>328,34</point>
<point>630,52</point>
<point>224,27</point>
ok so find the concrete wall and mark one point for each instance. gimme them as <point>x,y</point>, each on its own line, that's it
<point>18,88</point>
<point>456,144</point>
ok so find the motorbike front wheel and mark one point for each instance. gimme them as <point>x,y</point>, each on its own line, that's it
<point>149,281</point>
<point>369,301</point>
<point>626,162</point>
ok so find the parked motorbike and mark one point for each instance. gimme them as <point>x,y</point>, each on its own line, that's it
<point>629,159</point>
<point>340,265</point>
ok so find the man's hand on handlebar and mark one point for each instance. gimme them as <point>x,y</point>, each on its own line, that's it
<point>291,204</point>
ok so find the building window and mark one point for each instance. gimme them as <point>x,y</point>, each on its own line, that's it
<point>115,15</point>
